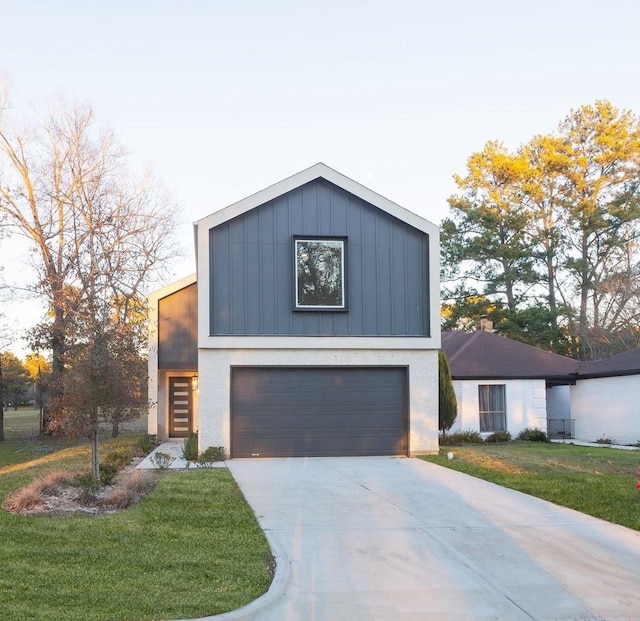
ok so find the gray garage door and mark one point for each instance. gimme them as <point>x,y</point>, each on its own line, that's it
<point>318,411</point>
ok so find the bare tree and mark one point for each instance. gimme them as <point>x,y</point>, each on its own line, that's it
<point>96,233</point>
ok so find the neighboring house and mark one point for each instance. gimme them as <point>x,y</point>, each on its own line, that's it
<point>311,328</point>
<point>605,401</point>
<point>505,385</point>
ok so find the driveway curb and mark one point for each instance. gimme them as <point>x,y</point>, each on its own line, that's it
<point>276,590</point>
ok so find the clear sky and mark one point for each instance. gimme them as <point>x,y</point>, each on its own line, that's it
<point>222,98</point>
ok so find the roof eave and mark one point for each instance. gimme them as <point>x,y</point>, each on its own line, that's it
<point>312,173</point>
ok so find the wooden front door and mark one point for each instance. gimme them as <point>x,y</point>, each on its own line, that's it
<point>180,407</point>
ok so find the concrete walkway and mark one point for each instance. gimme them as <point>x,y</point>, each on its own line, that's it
<point>395,539</point>
<point>621,447</point>
<point>173,450</point>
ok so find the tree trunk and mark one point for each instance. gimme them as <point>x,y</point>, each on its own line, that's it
<point>95,454</point>
<point>115,426</point>
<point>553,304</point>
<point>584,299</point>
<point>56,395</point>
<point>1,404</point>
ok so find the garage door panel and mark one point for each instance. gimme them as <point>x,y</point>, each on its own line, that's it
<point>332,427</point>
<point>296,447</point>
<point>300,411</point>
<point>292,399</point>
<point>276,421</point>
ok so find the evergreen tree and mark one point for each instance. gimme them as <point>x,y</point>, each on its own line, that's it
<point>447,403</point>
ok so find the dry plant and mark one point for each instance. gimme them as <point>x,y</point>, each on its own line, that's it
<point>32,495</point>
<point>130,489</point>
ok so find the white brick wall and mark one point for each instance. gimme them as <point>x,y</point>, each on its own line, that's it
<point>215,398</point>
<point>526,404</point>
<point>608,407</point>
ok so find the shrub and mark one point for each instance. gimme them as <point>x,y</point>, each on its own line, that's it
<point>88,488</point>
<point>499,436</point>
<point>532,435</point>
<point>161,460</point>
<point>190,448</point>
<point>86,481</point>
<point>108,473</point>
<point>147,443</point>
<point>211,455</point>
<point>119,457</point>
<point>461,437</point>
<point>604,440</point>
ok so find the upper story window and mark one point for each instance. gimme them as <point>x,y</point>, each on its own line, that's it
<point>320,273</point>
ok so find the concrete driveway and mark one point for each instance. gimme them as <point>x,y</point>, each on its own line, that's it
<point>395,538</point>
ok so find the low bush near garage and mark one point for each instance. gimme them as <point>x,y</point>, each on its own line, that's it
<point>460,437</point>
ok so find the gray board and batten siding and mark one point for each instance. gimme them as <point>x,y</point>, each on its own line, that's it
<point>252,268</point>
<point>178,329</point>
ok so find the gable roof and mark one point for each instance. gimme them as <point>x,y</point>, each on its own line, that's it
<point>171,288</point>
<point>321,174</point>
<point>312,173</point>
<point>485,355</point>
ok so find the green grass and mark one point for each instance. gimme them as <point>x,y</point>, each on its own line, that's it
<point>24,419</point>
<point>25,422</point>
<point>191,548</point>
<point>596,481</point>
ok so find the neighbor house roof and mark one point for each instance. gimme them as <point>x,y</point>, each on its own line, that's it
<point>627,363</point>
<point>485,355</point>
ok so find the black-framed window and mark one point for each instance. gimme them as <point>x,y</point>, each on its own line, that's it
<point>320,268</point>
<point>492,403</point>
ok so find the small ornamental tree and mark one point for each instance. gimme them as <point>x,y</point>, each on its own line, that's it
<point>447,403</point>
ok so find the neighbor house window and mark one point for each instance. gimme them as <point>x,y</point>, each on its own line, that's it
<point>493,407</point>
<point>320,273</point>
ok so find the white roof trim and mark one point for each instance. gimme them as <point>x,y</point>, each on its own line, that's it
<point>158,294</point>
<point>305,176</point>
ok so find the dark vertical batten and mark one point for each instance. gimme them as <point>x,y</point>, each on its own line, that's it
<point>178,329</point>
<point>253,262</point>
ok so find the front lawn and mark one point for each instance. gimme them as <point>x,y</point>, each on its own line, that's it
<point>191,548</point>
<point>596,481</point>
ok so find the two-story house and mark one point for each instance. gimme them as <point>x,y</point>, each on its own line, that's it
<point>311,328</point>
